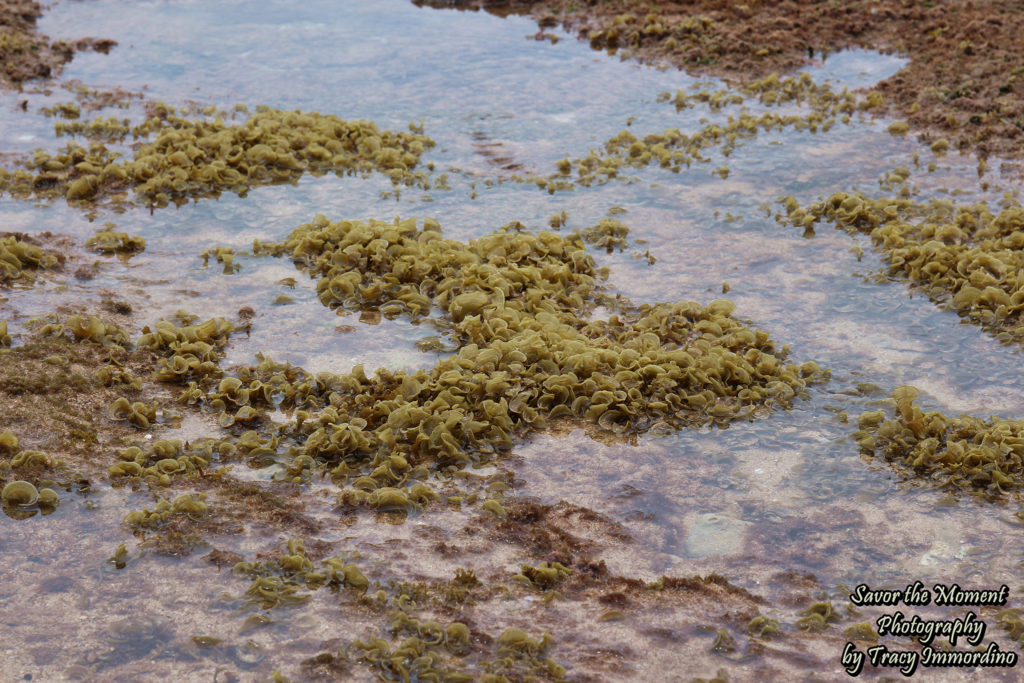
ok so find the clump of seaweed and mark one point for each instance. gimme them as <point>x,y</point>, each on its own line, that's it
<point>520,653</point>
<point>185,505</point>
<point>8,443</point>
<point>87,328</point>
<point>1010,621</point>
<point>544,576</point>
<point>697,35</point>
<point>432,650</point>
<point>412,659</point>
<point>167,458</point>
<point>223,255</point>
<point>774,90</point>
<point>818,616</point>
<point>192,158</point>
<point>20,499</point>
<point>278,581</point>
<point>110,242</point>
<point>108,129</point>
<point>957,452</point>
<point>965,257</point>
<point>20,493</point>
<point>671,149</point>
<point>63,110</point>
<point>514,304</point>
<point>34,459</point>
<point>137,413</point>
<point>167,337</point>
<point>19,259</point>
<point>170,528</point>
<point>120,557</point>
<point>26,54</point>
<point>191,350</point>
<point>862,631</point>
<point>112,374</point>
<point>763,627</point>
<point>608,234</point>
<point>455,636</point>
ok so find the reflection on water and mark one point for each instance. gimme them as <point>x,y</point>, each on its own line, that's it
<point>785,494</point>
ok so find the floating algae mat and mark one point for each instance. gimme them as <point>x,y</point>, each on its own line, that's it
<point>391,344</point>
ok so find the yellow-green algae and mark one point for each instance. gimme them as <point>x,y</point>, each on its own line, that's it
<point>190,158</point>
<point>8,443</point>
<point>120,557</point>
<point>608,234</point>
<point>167,457</point>
<point>223,255</point>
<point>19,493</point>
<point>670,149</point>
<point>64,110</point>
<point>109,129</point>
<point>720,677</point>
<point>899,128</point>
<point>190,506</point>
<point>1010,620</point>
<point>763,627</point>
<point>512,304</point>
<point>431,651</point>
<point>962,452</point>
<point>86,328</point>
<point>862,631</point>
<point>818,616</point>
<point>92,99</point>
<point>138,413</point>
<point>35,459</point>
<point>775,90</point>
<point>19,259</point>
<point>110,242</point>
<point>543,576</point>
<point>191,350</point>
<point>279,581</point>
<point>673,149</point>
<point>969,258</point>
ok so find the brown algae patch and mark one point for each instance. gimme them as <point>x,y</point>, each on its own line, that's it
<point>776,90</point>
<point>608,234</point>
<point>976,105</point>
<point>673,150</point>
<point>54,407</point>
<point>93,99</point>
<point>956,452</point>
<point>109,129</point>
<point>20,258</point>
<point>189,158</point>
<point>26,54</point>
<point>968,258</point>
<point>108,241</point>
<point>513,303</point>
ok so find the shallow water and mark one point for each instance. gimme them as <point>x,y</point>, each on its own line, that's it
<point>789,493</point>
